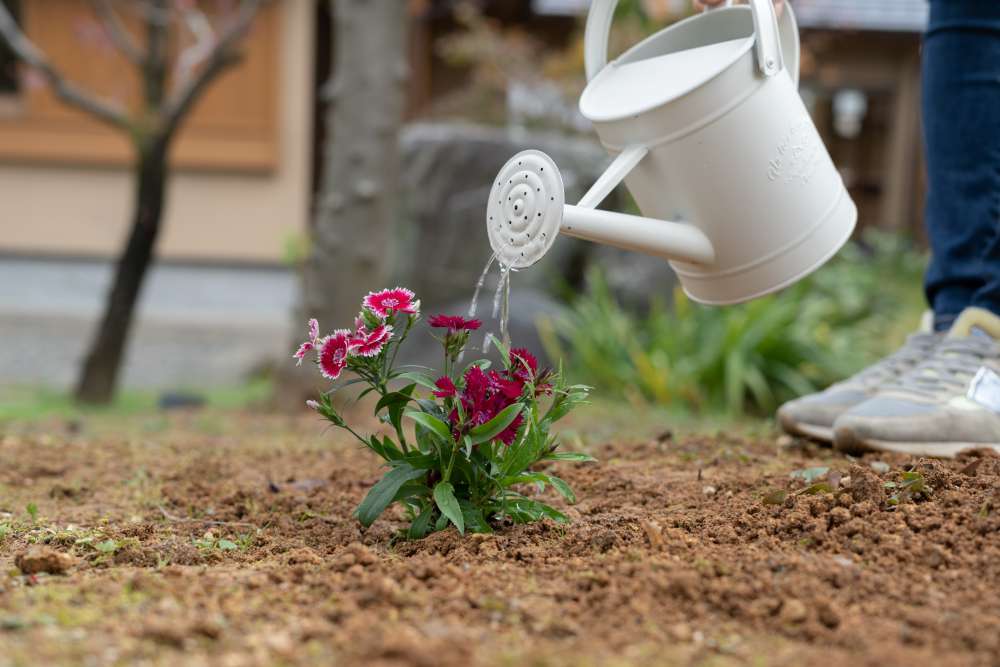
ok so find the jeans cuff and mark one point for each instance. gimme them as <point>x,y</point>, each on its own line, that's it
<point>943,321</point>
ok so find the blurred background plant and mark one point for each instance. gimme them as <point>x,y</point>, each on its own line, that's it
<point>748,358</point>
<point>516,77</point>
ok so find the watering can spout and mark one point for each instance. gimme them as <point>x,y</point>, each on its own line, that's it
<point>670,240</point>
<point>527,211</point>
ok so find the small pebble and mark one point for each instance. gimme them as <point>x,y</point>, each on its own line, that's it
<point>681,632</point>
<point>794,611</point>
<point>881,467</point>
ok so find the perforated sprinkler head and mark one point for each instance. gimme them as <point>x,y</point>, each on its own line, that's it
<point>525,209</point>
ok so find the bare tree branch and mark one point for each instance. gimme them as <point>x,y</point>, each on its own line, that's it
<point>69,93</point>
<point>221,57</point>
<point>205,40</point>
<point>116,30</point>
<point>154,67</point>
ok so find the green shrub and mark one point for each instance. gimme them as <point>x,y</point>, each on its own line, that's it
<point>751,357</point>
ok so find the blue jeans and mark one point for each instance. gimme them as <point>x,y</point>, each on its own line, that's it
<point>961,114</point>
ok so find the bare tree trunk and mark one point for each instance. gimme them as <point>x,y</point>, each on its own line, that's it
<point>103,363</point>
<point>352,237</point>
<point>100,370</point>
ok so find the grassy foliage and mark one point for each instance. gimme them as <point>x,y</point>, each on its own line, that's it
<point>747,358</point>
<point>22,404</point>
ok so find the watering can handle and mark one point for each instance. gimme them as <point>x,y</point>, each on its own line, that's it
<point>602,13</point>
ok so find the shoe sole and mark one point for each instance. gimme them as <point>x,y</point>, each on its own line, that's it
<point>822,434</point>
<point>848,444</point>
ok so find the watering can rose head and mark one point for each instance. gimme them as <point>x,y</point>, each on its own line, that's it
<point>476,431</point>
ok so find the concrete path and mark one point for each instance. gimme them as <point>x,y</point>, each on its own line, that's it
<point>197,326</point>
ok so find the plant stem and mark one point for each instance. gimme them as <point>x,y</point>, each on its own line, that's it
<point>354,433</point>
<point>382,388</point>
<point>395,350</point>
<point>402,439</point>
<point>451,462</point>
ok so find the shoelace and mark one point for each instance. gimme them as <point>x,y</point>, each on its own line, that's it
<point>950,368</point>
<point>913,351</point>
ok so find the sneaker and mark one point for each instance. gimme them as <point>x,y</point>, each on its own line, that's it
<point>945,405</point>
<point>813,416</point>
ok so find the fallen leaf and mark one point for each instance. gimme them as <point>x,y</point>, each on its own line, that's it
<point>776,497</point>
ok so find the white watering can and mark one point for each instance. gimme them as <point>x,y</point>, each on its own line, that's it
<point>709,133</point>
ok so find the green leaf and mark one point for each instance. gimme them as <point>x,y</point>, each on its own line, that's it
<point>411,489</point>
<point>526,510</point>
<point>817,488</point>
<point>914,482</point>
<point>426,440</point>
<point>421,526</point>
<point>420,460</point>
<point>427,405</point>
<point>494,427</point>
<point>474,519</point>
<point>553,513</point>
<point>484,364</point>
<point>396,409</point>
<point>562,487</point>
<point>422,379</point>
<point>431,423</point>
<point>566,400</point>
<point>522,512</point>
<point>539,478</point>
<point>395,398</point>
<point>375,444</point>
<point>501,348</point>
<point>107,546</point>
<point>382,494</point>
<point>392,452</point>
<point>384,447</point>
<point>525,452</point>
<point>578,457</point>
<point>227,545</point>
<point>444,496</point>
<point>776,497</point>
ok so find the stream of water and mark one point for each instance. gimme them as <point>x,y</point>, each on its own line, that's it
<point>501,301</point>
<point>479,285</point>
<point>501,304</point>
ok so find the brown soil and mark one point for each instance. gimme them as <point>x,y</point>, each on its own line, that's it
<point>700,550</point>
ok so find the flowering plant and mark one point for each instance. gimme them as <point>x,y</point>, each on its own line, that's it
<point>476,432</point>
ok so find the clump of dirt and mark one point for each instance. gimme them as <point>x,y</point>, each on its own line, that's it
<point>37,560</point>
<point>866,486</point>
<point>241,548</point>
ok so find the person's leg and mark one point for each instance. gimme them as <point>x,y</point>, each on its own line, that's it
<point>949,402</point>
<point>961,115</point>
<point>961,110</point>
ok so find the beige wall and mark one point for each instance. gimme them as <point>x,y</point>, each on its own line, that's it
<point>211,214</point>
